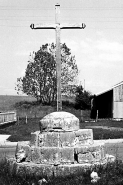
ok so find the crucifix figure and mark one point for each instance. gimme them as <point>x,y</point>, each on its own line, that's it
<point>57,26</point>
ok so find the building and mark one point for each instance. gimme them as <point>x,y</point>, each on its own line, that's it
<point>110,103</point>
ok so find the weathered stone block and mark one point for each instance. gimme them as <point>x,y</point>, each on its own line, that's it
<point>56,155</point>
<point>41,140</point>
<point>36,155</point>
<point>85,158</point>
<point>34,138</point>
<point>97,155</point>
<point>90,153</point>
<point>63,120</point>
<point>90,157</point>
<point>25,146</point>
<point>83,137</point>
<point>67,155</point>
<point>33,168</point>
<point>66,139</point>
<point>98,149</point>
<point>51,139</point>
<point>50,155</point>
<point>88,148</point>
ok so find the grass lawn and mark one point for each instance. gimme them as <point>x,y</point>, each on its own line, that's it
<point>22,131</point>
<point>110,174</point>
<point>100,133</point>
<point>103,122</point>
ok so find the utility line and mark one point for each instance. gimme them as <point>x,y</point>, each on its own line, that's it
<point>74,8</point>
<point>40,16</point>
<point>44,20</point>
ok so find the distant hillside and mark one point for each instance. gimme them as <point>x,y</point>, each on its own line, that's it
<point>70,99</point>
<point>7,102</point>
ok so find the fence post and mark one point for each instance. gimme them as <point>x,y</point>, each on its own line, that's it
<point>81,116</point>
<point>3,118</point>
<point>18,120</point>
<point>97,116</point>
<point>35,115</point>
<point>26,119</point>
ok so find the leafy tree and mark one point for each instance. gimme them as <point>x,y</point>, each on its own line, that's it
<point>82,100</point>
<point>40,75</point>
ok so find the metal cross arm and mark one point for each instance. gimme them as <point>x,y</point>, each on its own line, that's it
<point>43,26</point>
<point>72,26</point>
<point>61,26</point>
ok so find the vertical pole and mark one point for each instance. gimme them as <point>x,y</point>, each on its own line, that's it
<point>84,85</point>
<point>18,120</point>
<point>81,119</point>
<point>97,116</point>
<point>3,118</point>
<point>58,57</point>
<point>26,119</point>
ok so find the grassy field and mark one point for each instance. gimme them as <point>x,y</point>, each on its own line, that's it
<point>22,131</point>
<point>26,107</point>
<point>7,102</point>
<point>104,122</point>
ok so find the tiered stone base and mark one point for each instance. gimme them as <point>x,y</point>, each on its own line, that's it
<point>61,170</point>
<point>60,148</point>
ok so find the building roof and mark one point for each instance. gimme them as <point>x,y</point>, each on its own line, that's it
<point>98,94</point>
<point>120,83</point>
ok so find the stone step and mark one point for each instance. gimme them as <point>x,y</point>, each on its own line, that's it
<point>59,155</point>
<point>61,170</point>
<point>62,138</point>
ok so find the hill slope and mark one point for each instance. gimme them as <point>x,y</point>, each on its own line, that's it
<point>7,102</point>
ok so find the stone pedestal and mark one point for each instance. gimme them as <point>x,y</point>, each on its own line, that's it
<point>59,145</point>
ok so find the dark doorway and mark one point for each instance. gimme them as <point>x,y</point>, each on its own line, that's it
<point>104,104</point>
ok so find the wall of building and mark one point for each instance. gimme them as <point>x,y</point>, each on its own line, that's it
<point>118,101</point>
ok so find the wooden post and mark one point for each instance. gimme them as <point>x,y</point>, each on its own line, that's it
<point>3,118</point>
<point>18,120</point>
<point>81,119</point>
<point>26,119</point>
<point>97,116</point>
<point>58,58</point>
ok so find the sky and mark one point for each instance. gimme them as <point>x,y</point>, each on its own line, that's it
<point>98,48</point>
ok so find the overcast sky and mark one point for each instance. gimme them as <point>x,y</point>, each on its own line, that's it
<point>98,48</point>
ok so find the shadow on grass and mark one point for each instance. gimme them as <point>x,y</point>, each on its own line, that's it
<point>21,131</point>
<point>106,134</point>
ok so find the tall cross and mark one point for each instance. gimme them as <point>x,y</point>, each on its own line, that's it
<point>57,26</point>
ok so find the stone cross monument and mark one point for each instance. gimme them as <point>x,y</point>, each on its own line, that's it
<point>60,148</point>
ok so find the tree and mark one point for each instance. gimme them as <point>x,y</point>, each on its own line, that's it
<point>40,75</point>
<point>82,100</point>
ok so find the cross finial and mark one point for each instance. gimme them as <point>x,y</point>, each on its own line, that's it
<point>57,4</point>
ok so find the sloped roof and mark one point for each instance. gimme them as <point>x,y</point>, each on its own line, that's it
<point>98,94</point>
<point>120,83</point>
